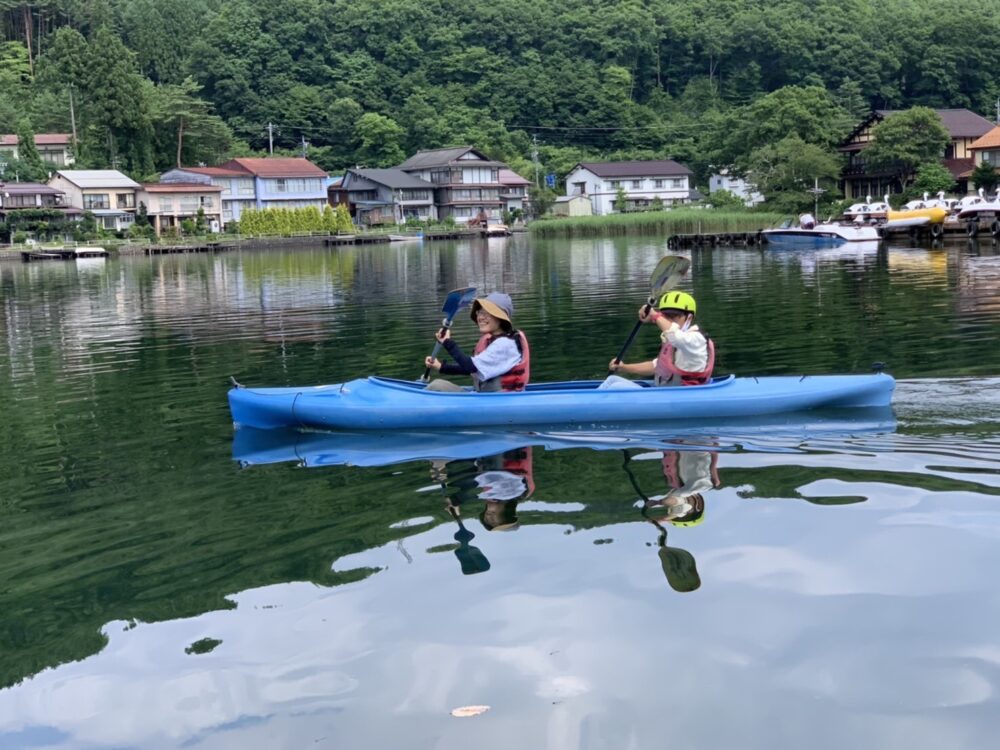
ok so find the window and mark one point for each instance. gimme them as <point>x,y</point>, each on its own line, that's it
<point>613,184</point>
<point>657,183</point>
<point>414,195</point>
<point>167,205</point>
<point>245,187</point>
<point>636,184</point>
<point>440,176</point>
<point>207,202</point>
<point>280,186</point>
<point>125,200</point>
<point>95,201</point>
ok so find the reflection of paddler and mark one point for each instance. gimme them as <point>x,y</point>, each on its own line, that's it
<point>688,474</point>
<point>509,480</point>
<point>501,481</point>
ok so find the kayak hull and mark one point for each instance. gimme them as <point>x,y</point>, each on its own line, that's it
<point>383,403</point>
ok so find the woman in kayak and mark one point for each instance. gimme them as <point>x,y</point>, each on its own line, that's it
<point>501,358</point>
<point>686,356</point>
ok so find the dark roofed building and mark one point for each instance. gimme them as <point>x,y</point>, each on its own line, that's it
<point>964,126</point>
<point>384,196</point>
<point>466,182</point>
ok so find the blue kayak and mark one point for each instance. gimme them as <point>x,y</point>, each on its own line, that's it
<point>377,403</point>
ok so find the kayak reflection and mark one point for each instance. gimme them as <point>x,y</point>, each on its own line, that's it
<point>688,475</point>
<point>367,448</point>
<point>500,482</point>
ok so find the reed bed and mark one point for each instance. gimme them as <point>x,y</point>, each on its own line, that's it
<point>675,221</point>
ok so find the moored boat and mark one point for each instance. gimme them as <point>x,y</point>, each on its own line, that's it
<point>824,234</point>
<point>378,403</point>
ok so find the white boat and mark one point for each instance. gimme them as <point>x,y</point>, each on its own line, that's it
<point>866,212</point>
<point>982,212</point>
<point>822,234</point>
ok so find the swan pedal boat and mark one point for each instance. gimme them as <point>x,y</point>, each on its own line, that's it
<point>378,403</point>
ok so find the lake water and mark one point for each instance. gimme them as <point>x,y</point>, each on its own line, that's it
<point>157,593</point>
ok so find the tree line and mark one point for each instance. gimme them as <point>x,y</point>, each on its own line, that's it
<point>148,84</point>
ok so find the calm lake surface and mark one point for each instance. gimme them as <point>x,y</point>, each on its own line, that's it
<point>156,593</point>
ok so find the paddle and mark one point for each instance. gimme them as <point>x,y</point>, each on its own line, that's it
<point>666,275</point>
<point>470,558</point>
<point>455,301</point>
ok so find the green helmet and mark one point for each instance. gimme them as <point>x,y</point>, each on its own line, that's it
<point>677,301</point>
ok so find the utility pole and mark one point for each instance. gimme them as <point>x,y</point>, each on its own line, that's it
<point>817,191</point>
<point>270,139</point>
<point>72,116</point>
<point>305,146</point>
<point>998,111</point>
<point>534,156</point>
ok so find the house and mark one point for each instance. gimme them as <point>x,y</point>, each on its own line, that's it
<point>54,148</point>
<point>858,181</point>
<point>572,205</point>
<point>237,187</point>
<point>35,208</point>
<point>986,148</point>
<point>642,182</point>
<point>169,203</point>
<point>738,186</point>
<point>106,193</point>
<point>15,196</point>
<point>514,190</point>
<point>466,182</point>
<point>384,196</point>
<point>266,182</point>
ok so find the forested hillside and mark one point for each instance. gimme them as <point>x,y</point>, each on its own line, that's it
<point>151,82</point>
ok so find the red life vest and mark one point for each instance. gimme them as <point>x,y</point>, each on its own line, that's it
<point>519,462</point>
<point>666,369</point>
<point>516,377</point>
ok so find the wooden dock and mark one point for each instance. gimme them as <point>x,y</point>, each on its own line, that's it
<point>715,239</point>
<point>205,247</point>
<point>63,253</point>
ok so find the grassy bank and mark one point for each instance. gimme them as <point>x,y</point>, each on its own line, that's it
<point>676,221</point>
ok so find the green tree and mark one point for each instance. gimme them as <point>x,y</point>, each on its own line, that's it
<point>932,178</point>
<point>33,169</point>
<point>985,176</point>
<point>621,200</point>
<point>380,141</point>
<point>906,140</point>
<point>785,172</point>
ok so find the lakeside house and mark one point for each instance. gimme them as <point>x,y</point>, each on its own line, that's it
<point>641,181</point>
<point>259,182</point>
<point>986,149</point>
<point>738,186</point>
<point>169,203</point>
<point>106,193</point>
<point>54,148</point>
<point>383,196</point>
<point>466,182</point>
<point>514,190</point>
<point>858,180</point>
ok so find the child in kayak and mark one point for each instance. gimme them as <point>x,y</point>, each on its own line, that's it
<point>686,356</point>
<point>501,358</point>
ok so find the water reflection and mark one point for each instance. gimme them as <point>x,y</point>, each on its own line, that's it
<point>499,482</point>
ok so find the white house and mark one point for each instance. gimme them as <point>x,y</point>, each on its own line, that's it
<point>106,193</point>
<point>514,190</point>
<point>642,181</point>
<point>169,203</point>
<point>738,186</point>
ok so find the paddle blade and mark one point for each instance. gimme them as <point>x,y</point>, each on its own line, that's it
<point>667,273</point>
<point>457,299</point>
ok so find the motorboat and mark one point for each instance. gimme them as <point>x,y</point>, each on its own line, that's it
<point>822,234</point>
